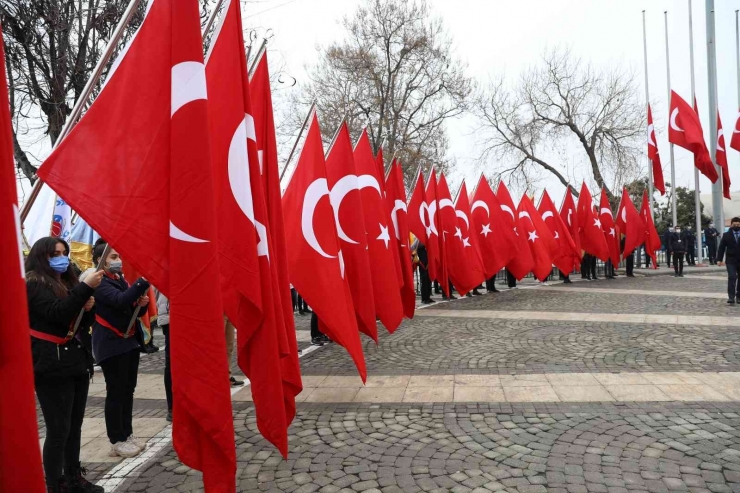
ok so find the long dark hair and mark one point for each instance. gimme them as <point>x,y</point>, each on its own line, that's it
<point>38,268</point>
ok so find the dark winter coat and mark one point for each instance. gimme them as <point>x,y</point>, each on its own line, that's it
<point>729,246</point>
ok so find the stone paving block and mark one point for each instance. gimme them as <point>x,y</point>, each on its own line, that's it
<point>531,394</point>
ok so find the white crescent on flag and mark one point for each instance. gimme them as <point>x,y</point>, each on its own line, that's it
<point>340,190</point>
<point>674,115</point>
<point>314,193</point>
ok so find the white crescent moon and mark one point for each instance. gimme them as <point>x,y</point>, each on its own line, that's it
<point>651,142</point>
<point>179,234</point>
<point>525,214</point>
<point>606,210</point>
<point>462,215</point>
<point>547,214</point>
<point>445,203</point>
<point>399,205</point>
<point>340,190</point>
<point>506,208</point>
<point>480,204</point>
<point>368,181</point>
<point>431,211</point>
<point>570,211</point>
<point>674,126</point>
<point>720,134</point>
<point>624,215</point>
<point>314,193</point>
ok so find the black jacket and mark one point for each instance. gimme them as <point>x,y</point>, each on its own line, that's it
<point>690,239</point>
<point>710,236</point>
<point>53,315</point>
<point>421,252</point>
<point>728,244</point>
<point>678,242</point>
<point>667,240</point>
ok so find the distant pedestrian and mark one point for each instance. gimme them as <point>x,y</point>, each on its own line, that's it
<point>426,282</point>
<point>677,242</point>
<point>729,246</point>
<point>491,284</point>
<point>667,244</point>
<point>510,280</point>
<point>690,246</point>
<point>710,236</point>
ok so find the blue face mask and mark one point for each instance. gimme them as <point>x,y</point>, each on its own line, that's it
<point>59,264</point>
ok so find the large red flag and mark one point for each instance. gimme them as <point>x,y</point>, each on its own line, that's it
<point>497,241</point>
<point>566,255</point>
<point>721,158</point>
<point>609,228</point>
<point>396,197</point>
<point>541,241</point>
<point>381,248</point>
<point>244,236</point>
<point>592,237</point>
<point>20,458</point>
<point>436,246</point>
<point>653,155</point>
<point>522,262</point>
<point>268,157</point>
<point>421,225</point>
<point>652,240</point>
<point>470,237</point>
<point>569,215</point>
<point>735,140</point>
<point>685,131</point>
<point>314,257</point>
<point>344,194</point>
<point>630,224</point>
<point>381,174</point>
<point>149,129</point>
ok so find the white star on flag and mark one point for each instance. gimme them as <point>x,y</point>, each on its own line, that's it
<point>557,235</point>
<point>466,243</point>
<point>486,230</point>
<point>597,223</point>
<point>384,234</point>
<point>533,236</point>
<point>458,233</point>
<point>515,231</point>
<point>611,231</point>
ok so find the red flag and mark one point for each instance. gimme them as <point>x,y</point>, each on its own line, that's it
<point>149,128</point>
<point>735,141</point>
<point>436,243</point>
<point>20,458</point>
<point>609,228</point>
<point>268,157</point>
<point>653,155</point>
<point>497,241</point>
<point>540,239</point>
<point>566,255</point>
<point>344,190</point>
<point>721,158</point>
<point>389,208</point>
<point>396,197</point>
<point>652,240</point>
<point>522,263</point>
<point>630,224</point>
<point>466,226</point>
<point>314,257</point>
<point>592,237</point>
<point>387,296</point>
<point>685,131</point>
<point>569,215</point>
<point>244,238</point>
<point>420,224</point>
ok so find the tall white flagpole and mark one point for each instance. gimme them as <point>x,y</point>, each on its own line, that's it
<point>647,104</point>
<point>697,191</point>
<point>673,162</point>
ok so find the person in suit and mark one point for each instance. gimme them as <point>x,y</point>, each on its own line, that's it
<point>729,247</point>
<point>667,244</point>
<point>426,282</point>
<point>711,235</point>
<point>690,246</point>
<point>629,260</point>
<point>491,285</point>
<point>586,266</point>
<point>677,243</point>
<point>510,280</point>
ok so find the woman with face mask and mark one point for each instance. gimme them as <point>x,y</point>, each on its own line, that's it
<point>116,348</point>
<point>62,367</point>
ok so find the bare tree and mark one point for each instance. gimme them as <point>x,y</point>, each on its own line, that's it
<point>395,73</point>
<point>594,116</point>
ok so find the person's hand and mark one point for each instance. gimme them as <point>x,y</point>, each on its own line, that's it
<point>143,300</point>
<point>93,280</point>
<point>720,264</point>
<point>90,303</point>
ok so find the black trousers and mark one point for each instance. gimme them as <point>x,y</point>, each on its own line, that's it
<point>510,279</point>
<point>609,268</point>
<point>167,368</point>
<point>732,281</point>
<point>301,303</point>
<point>62,403</point>
<point>315,332</point>
<point>691,256</point>
<point>491,283</point>
<point>630,263</point>
<point>668,255</point>
<point>712,250</point>
<point>678,262</point>
<point>120,382</point>
<point>586,266</point>
<point>426,284</point>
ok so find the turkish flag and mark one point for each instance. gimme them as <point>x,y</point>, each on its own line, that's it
<point>396,197</point>
<point>569,215</point>
<point>592,237</point>
<point>471,249</point>
<point>436,242</point>
<point>566,255</point>
<point>609,228</point>
<point>148,127</point>
<point>653,155</point>
<point>314,257</point>
<point>630,224</point>
<point>244,237</point>
<point>268,158</point>
<point>419,221</point>
<point>386,292</point>
<point>389,208</point>
<point>652,240</point>
<point>522,262</point>
<point>541,241</point>
<point>496,240</point>
<point>685,131</point>
<point>20,457</point>
<point>348,212</point>
<point>735,141</point>
<point>721,158</point>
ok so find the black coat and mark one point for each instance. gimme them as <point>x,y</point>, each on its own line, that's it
<point>53,315</point>
<point>421,252</point>
<point>667,240</point>
<point>728,245</point>
<point>677,242</point>
<point>690,239</point>
<point>710,235</point>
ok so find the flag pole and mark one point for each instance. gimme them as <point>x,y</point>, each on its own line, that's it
<point>100,265</point>
<point>697,199</point>
<point>673,162</point>
<point>257,57</point>
<point>647,104</point>
<point>84,95</point>
<point>334,138</point>
<point>718,186</point>
<point>212,17</point>
<point>300,134</point>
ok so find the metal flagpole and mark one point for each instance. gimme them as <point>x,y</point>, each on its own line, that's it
<point>717,187</point>
<point>300,134</point>
<point>673,163</point>
<point>697,191</point>
<point>334,138</point>
<point>647,103</point>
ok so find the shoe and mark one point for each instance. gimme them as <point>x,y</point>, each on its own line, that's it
<point>60,487</point>
<point>76,482</point>
<point>169,415</point>
<point>567,281</point>
<point>477,293</point>
<point>630,275</point>
<point>680,275</point>
<point>137,441</point>
<point>235,383</point>
<point>453,297</point>
<point>325,338</point>
<point>316,341</point>
<point>594,278</point>
<point>427,302</point>
<point>308,311</point>
<point>493,290</point>
<point>124,449</point>
<point>154,348</point>
<point>469,295</point>
<point>301,312</point>
<point>730,302</point>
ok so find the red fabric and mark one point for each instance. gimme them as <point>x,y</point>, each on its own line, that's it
<point>652,240</point>
<point>20,455</point>
<point>685,131</point>
<point>471,248</point>
<point>160,214</point>
<point>396,198</point>
<point>541,242</point>
<point>436,244</point>
<point>316,269</point>
<point>721,158</point>
<point>735,140</point>
<point>566,255</point>
<point>245,243</point>
<point>569,215</point>
<point>592,237</point>
<point>379,227</point>
<point>496,240</point>
<point>522,263</point>
<point>382,177</point>
<point>419,224</point>
<point>348,213</point>
<point>609,228</point>
<point>630,224</point>
<point>268,157</point>
<point>654,156</point>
